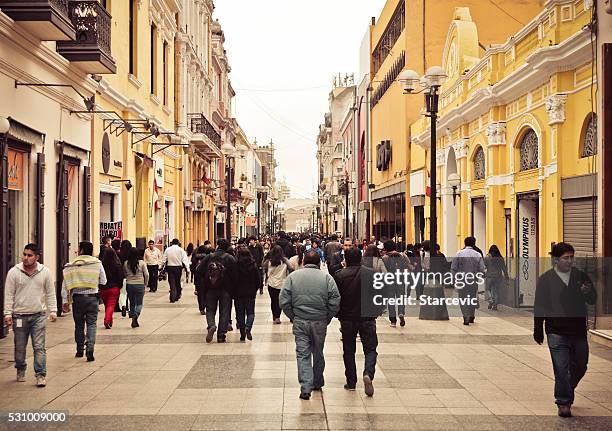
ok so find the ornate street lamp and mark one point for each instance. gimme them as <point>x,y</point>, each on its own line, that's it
<point>454,181</point>
<point>431,82</point>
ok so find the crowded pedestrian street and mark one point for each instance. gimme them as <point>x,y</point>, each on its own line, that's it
<point>247,215</point>
<point>430,375</point>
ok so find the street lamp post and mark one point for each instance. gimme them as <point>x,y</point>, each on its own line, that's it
<point>346,207</point>
<point>258,212</point>
<point>229,152</point>
<point>432,81</point>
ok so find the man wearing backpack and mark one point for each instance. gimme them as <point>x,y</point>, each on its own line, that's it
<point>217,272</point>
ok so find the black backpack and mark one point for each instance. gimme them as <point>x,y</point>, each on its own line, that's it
<point>215,272</point>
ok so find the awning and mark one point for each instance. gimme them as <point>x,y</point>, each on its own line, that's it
<point>23,133</point>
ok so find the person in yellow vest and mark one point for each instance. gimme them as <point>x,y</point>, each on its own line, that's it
<point>80,288</point>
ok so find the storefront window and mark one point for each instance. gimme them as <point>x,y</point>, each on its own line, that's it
<point>18,214</point>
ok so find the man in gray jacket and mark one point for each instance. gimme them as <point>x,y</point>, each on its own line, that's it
<point>310,298</point>
<point>28,296</point>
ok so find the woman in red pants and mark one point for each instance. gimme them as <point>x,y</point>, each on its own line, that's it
<point>110,292</point>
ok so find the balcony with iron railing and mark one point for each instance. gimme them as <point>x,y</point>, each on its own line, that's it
<point>45,19</point>
<point>91,50</point>
<point>199,125</point>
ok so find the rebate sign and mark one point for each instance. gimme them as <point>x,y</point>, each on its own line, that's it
<point>111,229</point>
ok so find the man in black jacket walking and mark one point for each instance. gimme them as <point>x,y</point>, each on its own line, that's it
<point>337,262</point>
<point>217,273</point>
<point>560,305</point>
<point>258,255</point>
<point>357,315</point>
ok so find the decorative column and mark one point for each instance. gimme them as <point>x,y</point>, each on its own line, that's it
<point>555,108</point>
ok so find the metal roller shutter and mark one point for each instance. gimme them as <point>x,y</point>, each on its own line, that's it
<point>578,224</point>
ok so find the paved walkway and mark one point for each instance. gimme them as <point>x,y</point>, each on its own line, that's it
<point>430,375</point>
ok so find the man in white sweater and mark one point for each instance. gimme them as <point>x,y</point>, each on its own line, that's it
<point>28,296</point>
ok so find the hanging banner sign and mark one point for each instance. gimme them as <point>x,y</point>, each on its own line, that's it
<point>527,250</point>
<point>159,172</point>
<point>111,229</point>
<point>15,170</point>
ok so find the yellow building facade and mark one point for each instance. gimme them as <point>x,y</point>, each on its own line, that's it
<point>410,35</point>
<point>516,141</point>
<point>137,178</point>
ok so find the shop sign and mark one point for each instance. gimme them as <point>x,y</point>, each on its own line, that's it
<point>220,217</point>
<point>106,155</point>
<point>251,221</point>
<point>159,172</point>
<point>111,229</point>
<point>15,170</point>
<point>198,201</point>
<point>527,250</point>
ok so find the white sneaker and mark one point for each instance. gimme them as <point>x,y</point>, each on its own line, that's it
<point>393,325</point>
<point>41,381</point>
<point>21,375</point>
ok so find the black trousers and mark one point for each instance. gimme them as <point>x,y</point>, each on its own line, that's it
<point>369,340</point>
<point>174,279</point>
<point>85,313</point>
<point>153,277</point>
<point>274,304</point>
<point>201,298</point>
<point>222,299</point>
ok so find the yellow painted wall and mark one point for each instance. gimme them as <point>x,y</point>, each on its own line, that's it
<point>559,143</point>
<point>423,40</point>
<point>130,98</point>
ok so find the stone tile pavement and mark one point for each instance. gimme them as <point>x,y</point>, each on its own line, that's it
<point>430,376</point>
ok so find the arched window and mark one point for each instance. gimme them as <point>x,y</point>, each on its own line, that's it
<point>589,136</point>
<point>479,164</point>
<point>528,150</point>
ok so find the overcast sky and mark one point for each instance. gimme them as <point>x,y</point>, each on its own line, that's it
<point>283,55</point>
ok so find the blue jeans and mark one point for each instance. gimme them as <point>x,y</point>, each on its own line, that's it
<point>493,285</point>
<point>570,355</point>
<point>397,292</point>
<point>135,294</point>
<point>309,342</point>
<point>85,311</point>
<point>245,313</point>
<point>25,326</point>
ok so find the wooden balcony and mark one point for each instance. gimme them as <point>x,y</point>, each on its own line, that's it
<point>45,19</point>
<point>91,50</point>
<point>205,136</point>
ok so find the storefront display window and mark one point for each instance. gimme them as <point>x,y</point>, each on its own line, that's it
<point>18,207</point>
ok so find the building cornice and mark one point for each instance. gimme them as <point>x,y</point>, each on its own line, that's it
<point>539,66</point>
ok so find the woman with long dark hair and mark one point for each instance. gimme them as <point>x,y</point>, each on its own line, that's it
<point>496,276</point>
<point>190,251</point>
<point>248,282</point>
<point>137,277</point>
<point>372,259</point>
<point>277,268</point>
<point>124,250</point>
<point>196,258</point>
<point>297,261</point>
<point>110,291</point>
